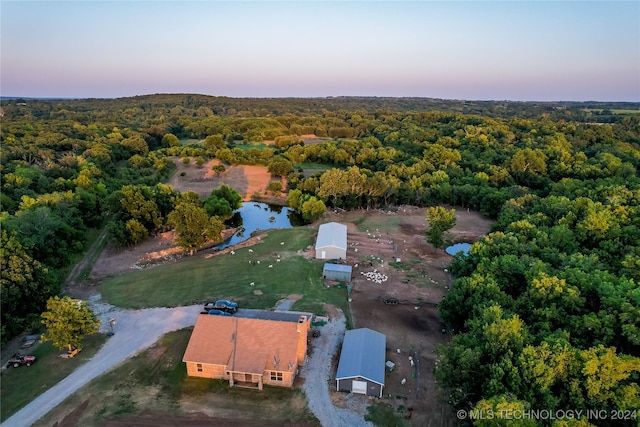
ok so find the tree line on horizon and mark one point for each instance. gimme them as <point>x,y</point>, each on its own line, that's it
<point>546,308</point>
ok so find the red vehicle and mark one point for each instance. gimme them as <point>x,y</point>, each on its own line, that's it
<point>18,360</point>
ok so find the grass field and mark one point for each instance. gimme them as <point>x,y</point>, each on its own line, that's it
<point>156,381</point>
<point>199,279</point>
<point>382,223</point>
<point>184,142</point>
<point>20,386</point>
<point>313,166</point>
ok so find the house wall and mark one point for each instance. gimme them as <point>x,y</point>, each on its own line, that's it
<point>208,371</point>
<point>301,354</point>
<point>287,379</point>
<point>331,252</point>
<point>373,388</point>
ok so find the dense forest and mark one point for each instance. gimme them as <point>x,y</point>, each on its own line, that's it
<point>546,308</point>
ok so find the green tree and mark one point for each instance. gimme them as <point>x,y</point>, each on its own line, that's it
<point>280,166</point>
<point>229,194</point>
<point>194,227</point>
<point>312,208</point>
<point>213,142</point>
<point>25,286</point>
<point>294,198</point>
<point>68,321</point>
<point>440,221</point>
<point>218,169</point>
<point>504,411</point>
<point>217,206</point>
<point>170,140</point>
<point>275,186</point>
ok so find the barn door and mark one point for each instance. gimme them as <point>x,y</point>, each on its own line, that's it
<point>359,387</point>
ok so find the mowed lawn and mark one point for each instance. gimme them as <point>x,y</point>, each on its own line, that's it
<point>198,279</point>
<point>19,386</point>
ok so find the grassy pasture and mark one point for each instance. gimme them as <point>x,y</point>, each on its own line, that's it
<point>386,224</point>
<point>198,279</point>
<point>313,166</point>
<point>185,142</point>
<point>19,386</point>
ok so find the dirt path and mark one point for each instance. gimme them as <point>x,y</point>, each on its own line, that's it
<point>92,254</point>
<point>134,331</point>
<point>317,372</point>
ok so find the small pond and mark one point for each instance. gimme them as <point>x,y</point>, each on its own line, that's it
<point>254,216</point>
<point>458,247</point>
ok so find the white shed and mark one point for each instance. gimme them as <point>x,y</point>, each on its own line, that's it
<point>332,241</point>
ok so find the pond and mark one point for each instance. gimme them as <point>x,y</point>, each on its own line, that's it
<point>458,247</point>
<point>254,216</point>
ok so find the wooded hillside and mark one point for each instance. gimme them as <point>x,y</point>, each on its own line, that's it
<point>546,308</point>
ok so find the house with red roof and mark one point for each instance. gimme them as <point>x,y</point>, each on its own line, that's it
<point>249,349</point>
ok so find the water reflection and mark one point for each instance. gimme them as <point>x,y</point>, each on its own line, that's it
<point>458,247</point>
<point>254,216</point>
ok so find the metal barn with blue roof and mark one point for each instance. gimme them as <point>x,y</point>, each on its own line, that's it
<point>361,368</point>
<point>341,273</point>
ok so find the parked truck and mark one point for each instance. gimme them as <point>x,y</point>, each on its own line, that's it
<point>221,305</point>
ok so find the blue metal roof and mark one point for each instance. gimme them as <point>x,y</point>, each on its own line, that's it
<point>332,234</point>
<point>337,267</point>
<point>363,355</point>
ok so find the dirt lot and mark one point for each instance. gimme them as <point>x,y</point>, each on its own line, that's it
<point>413,326</point>
<point>246,180</point>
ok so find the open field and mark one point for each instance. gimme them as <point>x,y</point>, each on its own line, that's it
<point>210,276</point>
<point>246,180</point>
<point>20,386</point>
<point>152,389</point>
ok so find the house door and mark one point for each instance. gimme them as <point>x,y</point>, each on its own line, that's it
<point>359,387</point>
<point>323,255</point>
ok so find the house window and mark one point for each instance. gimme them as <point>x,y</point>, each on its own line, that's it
<point>199,367</point>
<point>276,376</point>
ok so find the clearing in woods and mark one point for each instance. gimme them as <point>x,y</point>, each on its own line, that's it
<point>376,240</point>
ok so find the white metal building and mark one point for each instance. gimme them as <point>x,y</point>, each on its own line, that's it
<point>332,241</point>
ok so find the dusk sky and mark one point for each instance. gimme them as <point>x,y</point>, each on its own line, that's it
<point>478,50</point>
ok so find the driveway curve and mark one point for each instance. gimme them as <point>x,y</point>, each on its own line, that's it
<point>135,330</point>
<point>316,373</point>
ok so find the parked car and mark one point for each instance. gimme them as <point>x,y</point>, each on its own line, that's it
<point>19,360</point>
<point>219,313</point>
<point>226,305</point>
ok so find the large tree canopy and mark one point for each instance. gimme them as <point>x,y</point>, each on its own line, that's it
<point>440,221</point>
<point>193,225</point>
<point>68,321</point>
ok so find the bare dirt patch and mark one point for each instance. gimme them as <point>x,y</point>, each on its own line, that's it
<point>417,283</point>
<point>246,180</point>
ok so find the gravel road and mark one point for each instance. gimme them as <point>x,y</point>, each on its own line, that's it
<point>135,330</point>
<point>316,373</point>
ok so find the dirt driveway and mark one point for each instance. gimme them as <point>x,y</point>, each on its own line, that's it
<point>134,331</point>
